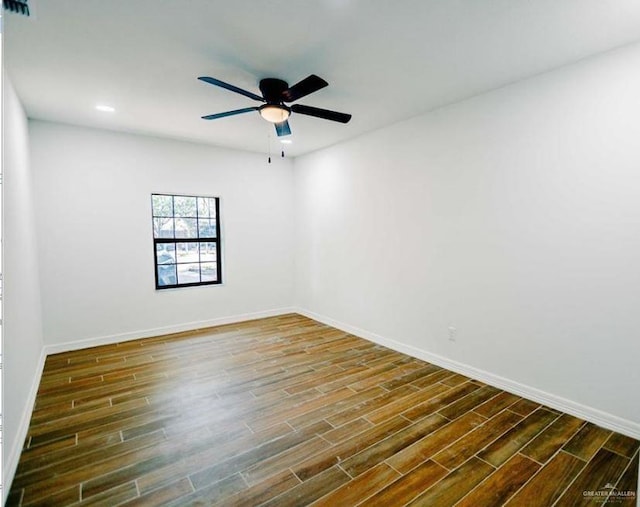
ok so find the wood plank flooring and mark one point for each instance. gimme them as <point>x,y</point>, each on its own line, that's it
<point>286,411</point>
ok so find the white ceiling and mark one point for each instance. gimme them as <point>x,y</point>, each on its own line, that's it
<point>384,60</point>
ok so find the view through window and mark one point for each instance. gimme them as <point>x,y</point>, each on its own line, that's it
<point>186,237</point>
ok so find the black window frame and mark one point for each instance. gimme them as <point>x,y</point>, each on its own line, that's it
<point>175,240</point>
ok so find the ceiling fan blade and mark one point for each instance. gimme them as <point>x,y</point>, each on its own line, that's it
<point>227,86</point>
<point>303,88</point>
<point>325,114</point>
<point>282,129</point>
<point>229,113</point>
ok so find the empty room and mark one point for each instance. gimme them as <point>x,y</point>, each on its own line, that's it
<point>330,253</point>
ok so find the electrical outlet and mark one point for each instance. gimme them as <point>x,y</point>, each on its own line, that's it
<point>453,332</point>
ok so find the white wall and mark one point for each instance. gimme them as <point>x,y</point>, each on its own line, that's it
<point>513,216</point>
<point>94,226</point>
<point>22,322</point>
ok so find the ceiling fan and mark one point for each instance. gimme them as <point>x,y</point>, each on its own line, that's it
<point>275,92</point>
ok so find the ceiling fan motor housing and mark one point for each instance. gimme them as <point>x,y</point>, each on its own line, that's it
<point>272,89</point>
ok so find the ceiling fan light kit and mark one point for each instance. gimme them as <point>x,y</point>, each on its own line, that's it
<point>275,92</point>
<point>274,113</point>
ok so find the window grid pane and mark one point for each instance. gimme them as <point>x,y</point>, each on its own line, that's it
<point>185,206</point>
<point>163,228</point>
<point>204,207</point>
<point>162,205</point>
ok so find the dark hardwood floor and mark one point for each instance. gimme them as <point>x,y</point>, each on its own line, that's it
<point>289,412</point>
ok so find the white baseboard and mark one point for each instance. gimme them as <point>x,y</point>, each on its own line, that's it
<point>159,331</point>
<point>11,464</point>
<point>591,414</point>
<point>603,419</point>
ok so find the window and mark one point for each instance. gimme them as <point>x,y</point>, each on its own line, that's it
<point>186,240</point>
